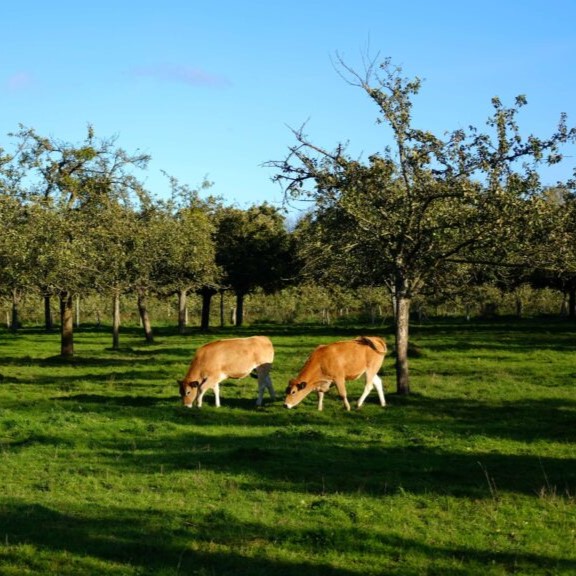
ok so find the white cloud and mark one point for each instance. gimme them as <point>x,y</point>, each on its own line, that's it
<point>181,74</point>
<point>19,81</point>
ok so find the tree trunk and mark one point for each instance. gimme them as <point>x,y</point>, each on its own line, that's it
<point>66,325</point>
<point>519,306</point>
<point>48,320</point>
<point>222,318</point>
<point>402,336</point>
<point>182,298</point>
<point>239,309</point>
<point>116,320</point>
<point>572,302</point>
<point>206,294</point>
<point>78,311</point>
<point>145,318</point>
<point>15,319</point>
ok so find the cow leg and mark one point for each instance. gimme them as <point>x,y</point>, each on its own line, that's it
<point>320,400</point>
<point>204,388</point>
<point>264,383</point>
<point>377,381</point>
<point>341,386</point>
<point>374,382</point>
<point>367,389</point>
<point>270,386</point>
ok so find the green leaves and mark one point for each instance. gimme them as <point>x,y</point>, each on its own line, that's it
<point>254,248</point>
<point>426,198</point>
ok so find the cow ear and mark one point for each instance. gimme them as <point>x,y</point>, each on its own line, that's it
<point>179,382</point>
<point>301,386</point>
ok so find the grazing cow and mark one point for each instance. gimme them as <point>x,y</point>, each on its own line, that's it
<point>339,362</point>
<point>232,358</point>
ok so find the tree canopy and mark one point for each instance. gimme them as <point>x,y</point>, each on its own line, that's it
<point>411,211</point>
<point>254,249</point>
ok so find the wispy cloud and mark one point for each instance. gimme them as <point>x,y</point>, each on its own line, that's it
<point>181,74</point>
<point>19,81</point>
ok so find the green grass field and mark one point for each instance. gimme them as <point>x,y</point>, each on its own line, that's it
<point>103,472</point>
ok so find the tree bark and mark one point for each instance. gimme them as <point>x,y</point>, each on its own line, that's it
<point>145,318</point>
<point>15,317</point>
<point>48,320</point>
<point>402,303</point>
<point>77,310</point>
<point>206,294</point>
<point>519,306</point>
<point>66,325</point>
<point>572,302</point>
<point>182,298</point>
<point>116,320</point>
<point>239,309</point>
<point>222,315</point>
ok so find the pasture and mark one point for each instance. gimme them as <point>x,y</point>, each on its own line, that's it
<point>104,472</point>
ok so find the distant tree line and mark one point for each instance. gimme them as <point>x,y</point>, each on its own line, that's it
<point>427,218</point>
<point>77,220</point>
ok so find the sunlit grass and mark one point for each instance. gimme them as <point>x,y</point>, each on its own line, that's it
<point>103,472</point>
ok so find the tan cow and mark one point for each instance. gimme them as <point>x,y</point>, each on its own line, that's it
<point>339,362</point>
<point>232,358</point>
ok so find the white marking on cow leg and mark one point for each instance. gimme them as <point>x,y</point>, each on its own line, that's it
<point>346,403</point>
<point>320,400</point>
<point>377,381</point>
<point>217,395</point>
<point>203,388</point>
<point>367,388</point>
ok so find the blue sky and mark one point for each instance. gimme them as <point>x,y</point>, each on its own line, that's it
<point>210,89</point>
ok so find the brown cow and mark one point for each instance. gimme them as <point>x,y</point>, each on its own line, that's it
<point>232,358</point>
<point>339,362</point>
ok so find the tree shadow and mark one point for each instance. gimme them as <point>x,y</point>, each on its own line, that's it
<point>150,542</point>
<point>310,460</point>
<point>552,419</point>
<point>134,401</point>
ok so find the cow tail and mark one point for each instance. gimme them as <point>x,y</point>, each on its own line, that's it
<point>369,342</point>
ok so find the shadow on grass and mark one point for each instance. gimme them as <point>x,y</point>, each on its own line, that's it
<point>129,378</point>
<point>524,421</point>
<point>348,453</point>
<point>309,462</point>
<point>149,542</point>
<point>106,400</point>
<point>215,542</point>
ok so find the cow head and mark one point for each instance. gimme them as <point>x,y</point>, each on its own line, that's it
<point>296,392</point>
<point>188,392</point>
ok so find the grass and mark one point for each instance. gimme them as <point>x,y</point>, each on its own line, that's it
<point>103,472</point>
